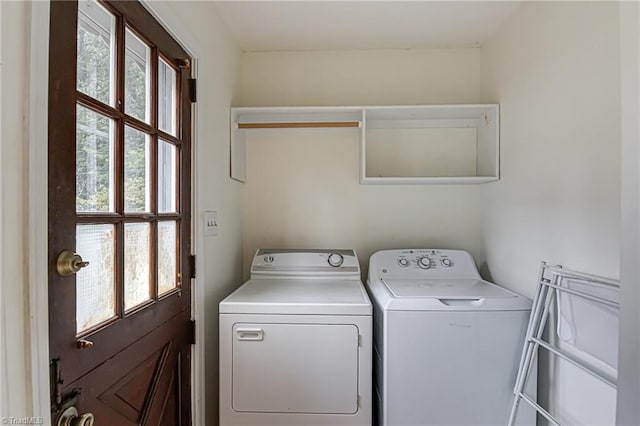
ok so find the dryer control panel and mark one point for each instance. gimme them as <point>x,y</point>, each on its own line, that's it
<point>308,263</point>
<point>422,263</point>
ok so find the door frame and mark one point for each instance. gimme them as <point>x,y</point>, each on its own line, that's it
<point>37,236</point>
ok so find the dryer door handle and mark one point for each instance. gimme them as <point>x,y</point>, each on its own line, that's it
<point>250,334</point>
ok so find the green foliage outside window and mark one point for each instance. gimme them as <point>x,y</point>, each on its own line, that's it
<point>94,153</point>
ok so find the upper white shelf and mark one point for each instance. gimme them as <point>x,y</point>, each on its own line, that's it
<point>424,144</point>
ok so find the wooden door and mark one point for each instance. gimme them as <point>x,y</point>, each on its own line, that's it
<point>119,196</point>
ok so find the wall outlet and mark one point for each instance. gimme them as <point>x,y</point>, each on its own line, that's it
<point>210,224</point>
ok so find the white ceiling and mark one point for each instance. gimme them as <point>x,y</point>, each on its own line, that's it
<point>328,25</point>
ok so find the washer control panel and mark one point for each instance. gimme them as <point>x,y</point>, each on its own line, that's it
<point>422,263</point>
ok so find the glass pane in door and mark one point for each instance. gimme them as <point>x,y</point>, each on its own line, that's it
<point>95,294</point>
<point>137,77</point>
<point>137,171</point>
<point>137,256</point>
<point>167,177</point>
<point>167,78</point>
<point>96,41</point>
<point>94,161</point>
<point>167,256</point>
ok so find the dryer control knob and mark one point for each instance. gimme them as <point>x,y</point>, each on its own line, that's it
<point>424,262</point>
<point>403,262</point>
<point>446,262</point>
<point>268,259</point>
<point>335,259</point>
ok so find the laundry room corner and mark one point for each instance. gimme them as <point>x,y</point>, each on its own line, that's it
<point>362,195</point>
<point>554,69</point>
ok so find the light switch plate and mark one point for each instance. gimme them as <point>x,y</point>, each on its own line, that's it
<point>210,223</point>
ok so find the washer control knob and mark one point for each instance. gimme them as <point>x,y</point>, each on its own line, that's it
<point>403,262</point>
<point>446,263</point>
<point>335,259</point>
<point>268,259</point>
<point>424,262</point>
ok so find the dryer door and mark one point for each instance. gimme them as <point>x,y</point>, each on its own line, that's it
<point>295,368</point>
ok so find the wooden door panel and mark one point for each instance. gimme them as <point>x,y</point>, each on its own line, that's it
<point>108,342</point>
<point>143,384</point>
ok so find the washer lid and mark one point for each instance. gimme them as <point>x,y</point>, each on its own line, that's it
<point>447,289</point>
<point>298,297</point>
<point>464,294</point>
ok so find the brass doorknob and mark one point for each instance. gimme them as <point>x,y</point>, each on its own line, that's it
<point>69,263</point>
<point>70,417</point>
<point>85,419</point>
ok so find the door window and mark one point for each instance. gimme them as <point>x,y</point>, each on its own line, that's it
<point>126,138</point>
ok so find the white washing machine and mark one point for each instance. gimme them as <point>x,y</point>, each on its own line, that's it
<point>447,344</point>
<point>295,342</point>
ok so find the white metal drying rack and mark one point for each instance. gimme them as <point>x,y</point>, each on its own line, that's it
<point>549,285</point>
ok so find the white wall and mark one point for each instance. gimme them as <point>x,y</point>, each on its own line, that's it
<point>629,362</point>
<point>219,260</point>
<point>302,186</point>
<point>554,69</point>
<point>362,77</point>
<point>14,72</point>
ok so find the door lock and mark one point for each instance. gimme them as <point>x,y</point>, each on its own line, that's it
<point>69,263</point>
<point>70,417</point>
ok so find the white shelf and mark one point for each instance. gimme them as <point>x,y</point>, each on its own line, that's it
<point>287,117</point>
<point>429,180</point>
<point>455,144</point>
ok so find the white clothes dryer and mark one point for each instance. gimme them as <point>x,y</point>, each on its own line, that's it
<point>447,344</point>
<point>295,342</point>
